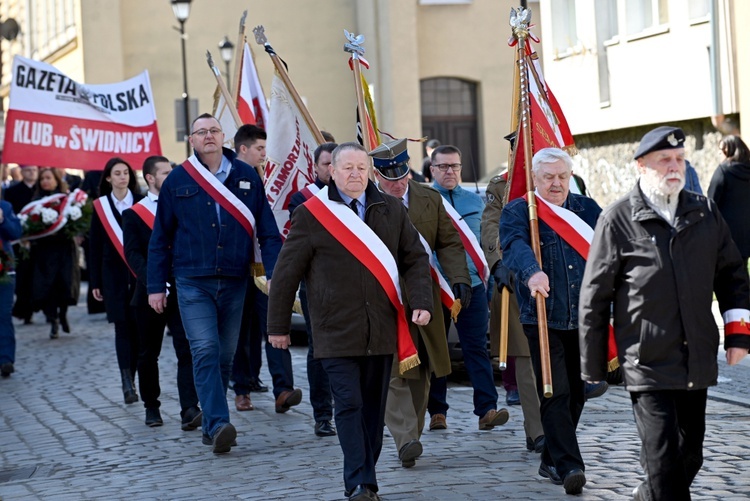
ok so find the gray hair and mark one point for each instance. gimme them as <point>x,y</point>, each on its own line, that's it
<point>550,156</point>
<point>343,147</point>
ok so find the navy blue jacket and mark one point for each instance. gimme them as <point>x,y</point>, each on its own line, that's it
<point>299,198</point>
<point>562,264</point>
<point>189,239</point>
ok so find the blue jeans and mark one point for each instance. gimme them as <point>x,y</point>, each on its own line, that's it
<point>7,332</point>
<point>211,309</point>
<point>472,333</point>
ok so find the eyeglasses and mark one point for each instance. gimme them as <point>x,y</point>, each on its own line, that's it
<point>204,132</point>
<point>445,167</point>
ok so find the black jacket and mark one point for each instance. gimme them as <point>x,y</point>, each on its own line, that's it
<point>661,281</point>
<point>135,235</point>
<point>19,195</point>
<point>107,271</point>
<point>730,189</point>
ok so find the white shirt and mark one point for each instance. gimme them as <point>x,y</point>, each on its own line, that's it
<point>123,204</point>
<point>150,201</point>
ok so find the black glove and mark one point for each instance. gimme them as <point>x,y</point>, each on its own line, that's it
<point>504,277</point>
<point>462,292</point>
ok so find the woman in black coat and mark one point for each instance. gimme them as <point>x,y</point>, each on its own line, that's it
<point>730,189</point>
<point>110,278</point>
<point>56,274</point>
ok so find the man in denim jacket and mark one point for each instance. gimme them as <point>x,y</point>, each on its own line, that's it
<point>210,253</point>
<point>558,280</point>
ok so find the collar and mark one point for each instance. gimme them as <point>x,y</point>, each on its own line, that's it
<point>372,194</point>
<point>319,183</point>
<point>152,197</point>
<point>127,201</point>
<point>444,191</point>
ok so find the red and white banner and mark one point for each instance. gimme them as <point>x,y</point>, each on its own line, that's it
<point>55,121</point>
<point>289,148</point>
<point>251,104</point>
<point>471,244</point>
<point>365,245</point>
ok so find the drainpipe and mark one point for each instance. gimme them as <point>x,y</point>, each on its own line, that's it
<point>717,116</point>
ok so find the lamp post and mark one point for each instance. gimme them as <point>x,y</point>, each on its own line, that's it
<point>226,49</point>
<point>181,9</point>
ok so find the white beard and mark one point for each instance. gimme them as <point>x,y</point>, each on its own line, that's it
<point>661,196</point>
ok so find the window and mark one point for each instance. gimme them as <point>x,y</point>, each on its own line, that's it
<point>698,8</point>
<point>53,26</point>
<point>564,31</point>
<point>443,97</point>
<point>606,20</point>
<point>644,14</point>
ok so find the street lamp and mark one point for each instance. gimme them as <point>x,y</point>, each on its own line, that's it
<point>226,49</point>
<point>181,9</point>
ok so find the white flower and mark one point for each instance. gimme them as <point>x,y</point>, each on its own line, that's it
<point>74,213</point>
<point>23,218</point>
<point>37,209</point>
<point>49,216</point>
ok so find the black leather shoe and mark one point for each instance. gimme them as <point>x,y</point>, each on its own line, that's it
<point>153,417</point>
<point>595,390</point>
<point>363,493</point>
<point>574,482</point>
<point>257,386</point>
<point>224,438</point>
<point>54,330</point>
<point>7,369</point>
<point>206,440</point>
<point>640,494</point>
<point>550,472</point>
<point>64,324</point>
<point>535,445</point>
<point>324,429</point>
<point>191,419</point>
<point>409,453</point>
<point>512,398</point>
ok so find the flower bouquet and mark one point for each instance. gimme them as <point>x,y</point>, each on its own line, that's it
<point>69,214</point>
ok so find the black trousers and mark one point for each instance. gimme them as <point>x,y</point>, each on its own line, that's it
<point>151,331</point>
<point>360,387</point>
<point>126,342</point>
<point>671,424</point>
<point>320,388</point>
<point>562,411</point>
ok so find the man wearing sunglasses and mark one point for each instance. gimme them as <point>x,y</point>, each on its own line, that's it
<point>210,210</point>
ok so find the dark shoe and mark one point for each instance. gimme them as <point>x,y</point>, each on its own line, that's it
<point>7,369</point>
<point>409,453</point>
<point>128,388</point>
<point>363,493</point>
<point>64,324</point>
<point>493,418</point>
<point>288,399</point>
<point>206,440</point>
<point>224,438</point>
<point>438,422</point>
<point>574,482</point>
<point>257,386</point>
<point>550,472</point>
<point>535,445</point>
<point>639,493</point>
<point>191,419</point>
<point>512,398</point>
<point>54,330</point>
<point>324,429</point>
<point>594,390</point>
<point>153,417</point>
<point>243,403</point>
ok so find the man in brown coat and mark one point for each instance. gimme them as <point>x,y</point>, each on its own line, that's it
<point>518,345</point>
<point>348,267</point>
<point>408,392</point>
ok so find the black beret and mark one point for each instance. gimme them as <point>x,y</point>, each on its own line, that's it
<point>661,138</point>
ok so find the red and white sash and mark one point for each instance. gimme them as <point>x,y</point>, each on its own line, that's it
<point>471,244</point>
<point>111,226</point>
<point>309,191</point>
<point>446,294</point>
<point>359,239</point>
<point>224,197</point>
<point>145,212</point>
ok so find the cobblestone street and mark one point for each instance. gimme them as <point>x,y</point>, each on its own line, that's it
<point>66,434</point>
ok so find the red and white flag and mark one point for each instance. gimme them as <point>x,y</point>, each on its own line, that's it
<point>289,147</point>
<point>251,103</point>
<point>55,121</point>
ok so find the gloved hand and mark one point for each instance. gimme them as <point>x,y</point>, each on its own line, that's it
<point>462,292</point>
<point>504,277</point>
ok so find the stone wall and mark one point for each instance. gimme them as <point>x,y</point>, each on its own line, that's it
<point>605,159</point>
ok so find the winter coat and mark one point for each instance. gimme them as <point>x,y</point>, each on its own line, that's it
<point>730,189</point>
<point>661,280</point>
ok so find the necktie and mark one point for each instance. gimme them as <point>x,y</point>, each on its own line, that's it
<point>353,206</point>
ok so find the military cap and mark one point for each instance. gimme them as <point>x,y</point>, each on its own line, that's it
<point>661,138</point>
<point>391,159</point>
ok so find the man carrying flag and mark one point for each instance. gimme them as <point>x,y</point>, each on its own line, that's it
<point>408,392</point>
<point>352,244</point>
<point>566,220</point>
<point>210,209</point>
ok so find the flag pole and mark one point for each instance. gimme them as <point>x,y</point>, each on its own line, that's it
<point>520,22</point>
<point>260,39</point>
<point>239,54</point>
<point>354,47</point>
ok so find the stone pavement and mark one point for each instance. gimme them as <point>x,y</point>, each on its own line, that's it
<point>66,434</point>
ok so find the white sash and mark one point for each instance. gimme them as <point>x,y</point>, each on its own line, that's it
<point>446,294</point>
<point>471,244</point>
